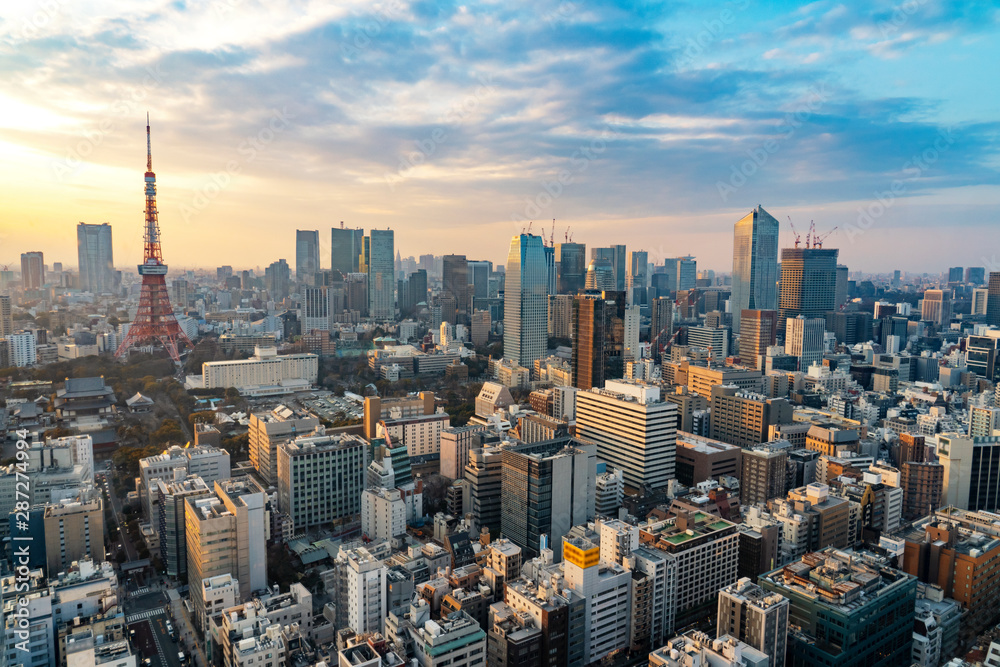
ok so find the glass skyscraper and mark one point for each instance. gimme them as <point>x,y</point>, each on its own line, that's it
<point>755,264</point>
<point>381,275</point>
<point>525,326</point>
<point>306,255</point>
<point>808,283</point>
<point>345,249</point>
<point>97,265</point>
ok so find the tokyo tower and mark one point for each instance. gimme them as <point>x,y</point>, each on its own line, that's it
<point>154,321</point>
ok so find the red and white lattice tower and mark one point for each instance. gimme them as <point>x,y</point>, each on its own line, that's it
<point>154,321</point>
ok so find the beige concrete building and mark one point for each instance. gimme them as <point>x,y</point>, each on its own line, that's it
<point>269,429</point>
<point>74,530</point>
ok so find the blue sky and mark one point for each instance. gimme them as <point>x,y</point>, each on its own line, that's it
<point>653,124</point>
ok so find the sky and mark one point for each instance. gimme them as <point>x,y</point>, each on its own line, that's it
<point>654,124</point>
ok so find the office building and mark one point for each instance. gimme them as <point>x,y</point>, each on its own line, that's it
<point>980,297</point>
<point>993,299</point>
<point>700,459</point>
<point>936,307</point>
<point>345,249</point>
<point>836,599</point>
<point>970,464</point>
<point>546,489</point>
<point>32,270</point>
<point>756,617</point>
<point>74,530</point>
<point>634,429</point>
<point>842,285</point>
<point>513,640</point>
<point>572,261</point>
<point>315,311</point>
<point>831,440</point>
<point>6,317</point>
<point>22,348</point>
<point>661,324</point>
<point>982,355</point>
<point>96,258</point>
<point>702,556</point>
<point>616,258</point>
<point>381,275</point>
<point>364,582</point>
<point>758,329</point>
<point>268,429</point>
<point>421,434</point>
<point>755,265</point>
<point>380,409</point>
<point>745,419</point>
<point>638,276</point>
<point>525,301</point>
<point>320,480</point>
<point>265,373</point>
<point>701,379</point>
<point>179,463</point>
<point>808,283</point>
<point>170,520</point>
<point>764,474</point>
<point>598,338</point>
<point>455,284</point>
<point>456,442</point>
<point>922,484</point>
<point>804,340</point>
<point>226,533</point>
<point>605,588</point>
<point>687,273</point>
<point>277,282</point>
<point>983,421</point>
<point>953,549</point>
<point>713,339</point>
<point>484,472</point>
<point>560,315</point>
<point>306,255</point>
<point>455,640</point>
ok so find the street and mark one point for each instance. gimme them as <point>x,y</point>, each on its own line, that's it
<point>147,615</point>
<point>104,480</point>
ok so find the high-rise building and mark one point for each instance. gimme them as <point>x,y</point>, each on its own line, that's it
<point>546,489</point>
<point>277,279</point>
<point>170,524</point>
<point>687,273</point>
<point>758,329</point>
<point>764,475</point>
<point>381,275</point>
<point>268,430</point>
<point>755,264</point>
<point>94,251</point>
<point>346,246</point>
<point>922,484</point>
<point>745,419</point>
<point>74,530</point>
<point>484,472</point>
<point>525,301</point>
<point>975,275</point>
<point>315,309</point>
<point>634,429</point>
<point>936,306</point>
<point>455,283</point>
<point>32,270</point>
<point>598,338</point>
<point>808,283</point>
<point>661,325</point>
<point>600,275</point>
<point>804,339</point>
<point>955,274</point>
<point>980,297</point>
<point>572,261</point>
<point>840,291</point>
<point>561,315</point>
<point>226,533</point>
<point>983,421</point>
<point>835,620</point>
<point>617,258</point>
<point>6,317</point>
<point>638,276</point>
<point>321,478</point>
<point>755,616</point>
<point>970,465</point>
<point>993,299</point>
<point>306,255</point>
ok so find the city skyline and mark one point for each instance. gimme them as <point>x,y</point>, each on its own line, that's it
<point>481,123</point>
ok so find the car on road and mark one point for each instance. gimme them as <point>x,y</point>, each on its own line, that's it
<point>182,658</point>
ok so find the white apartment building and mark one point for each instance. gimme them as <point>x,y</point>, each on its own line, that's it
<point>366,591</point>
<point>607,592</point>
<point>383,514</point>
<point>420,433</point>
<point>22,348</point>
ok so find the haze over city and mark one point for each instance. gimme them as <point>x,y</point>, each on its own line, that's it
<point>454,125</point>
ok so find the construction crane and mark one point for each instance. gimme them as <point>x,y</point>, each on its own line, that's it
<point>818,240</point>
<point>811,233</point>
<point>566,235</point>
<point>552,234</point>
<point>797,237</point>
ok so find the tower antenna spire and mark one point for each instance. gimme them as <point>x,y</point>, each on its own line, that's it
<point>149,147</point>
